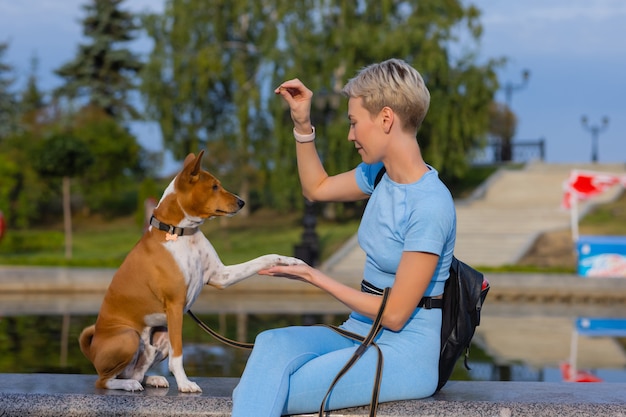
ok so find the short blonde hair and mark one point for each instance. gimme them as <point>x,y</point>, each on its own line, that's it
<point>395,84</point>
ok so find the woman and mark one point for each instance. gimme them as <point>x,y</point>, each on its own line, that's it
<point>407,232</point>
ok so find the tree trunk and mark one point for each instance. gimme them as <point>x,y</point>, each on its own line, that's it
<point>67,217</point>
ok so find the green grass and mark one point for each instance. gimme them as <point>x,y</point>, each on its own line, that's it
<point>607,219</point>
<point>99,243</point>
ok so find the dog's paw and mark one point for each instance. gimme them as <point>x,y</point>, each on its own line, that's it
<point>188,386</point>
<point>157,381</point>
<point>288,260</point>
<point>125,384</point>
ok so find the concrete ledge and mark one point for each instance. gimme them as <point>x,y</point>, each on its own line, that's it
<point>505,286</point>
<point>75,395</point>
<point>34,279</point>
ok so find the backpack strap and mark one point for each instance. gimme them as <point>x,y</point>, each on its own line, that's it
<point>379,176</point>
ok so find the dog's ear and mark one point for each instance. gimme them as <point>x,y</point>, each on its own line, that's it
<point>188,159</point>
<point>197,166</point>
<point>191,169</point>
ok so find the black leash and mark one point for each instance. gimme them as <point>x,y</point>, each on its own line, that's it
<point>225,340</point>
<point>366,342</point>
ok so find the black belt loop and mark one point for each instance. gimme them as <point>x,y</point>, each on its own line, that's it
<point>426,302</point>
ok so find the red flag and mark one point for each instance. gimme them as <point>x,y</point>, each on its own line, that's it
<point>586,184</point>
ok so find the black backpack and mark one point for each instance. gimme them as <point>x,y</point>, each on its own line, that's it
<point>463,297</point>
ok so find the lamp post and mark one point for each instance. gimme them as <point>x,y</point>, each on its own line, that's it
<point>595,131</point>
<point>510,88</point>
<point>506,152</point>
<point>309,247</point>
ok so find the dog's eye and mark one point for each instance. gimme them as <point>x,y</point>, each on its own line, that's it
<point>216,187</point>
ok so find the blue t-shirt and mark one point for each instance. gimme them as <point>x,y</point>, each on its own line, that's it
<point>416,217</point>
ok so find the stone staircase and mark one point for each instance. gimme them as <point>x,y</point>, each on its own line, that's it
<point>503,218</point>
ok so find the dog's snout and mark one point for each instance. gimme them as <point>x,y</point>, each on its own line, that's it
<point>240,202</point>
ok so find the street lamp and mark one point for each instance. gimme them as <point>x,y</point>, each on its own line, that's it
<point>506,148</point>
<point>309,247</point>
<point>510,88</point>
<point>595,131</point>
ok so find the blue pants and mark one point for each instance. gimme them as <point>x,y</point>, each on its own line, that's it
<point>290,369</point>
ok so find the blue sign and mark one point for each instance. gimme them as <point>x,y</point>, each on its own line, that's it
<point>610,327</point>
<point>602,256</point>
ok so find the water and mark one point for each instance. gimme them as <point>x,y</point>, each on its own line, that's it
<point>38,333</point>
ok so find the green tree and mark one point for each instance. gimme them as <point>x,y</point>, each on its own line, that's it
<point>101,72</point>
<point>209,79</point>
<point>203,82</point>
<point>64,156</point>
<point>108,187</point>
<point>8,177</point>
<point>101,79</point>
<point>502,126</point>
<point>8,168</point>
<point>116,162</point>
<point>32,98</point>
<point>32,103</point>
<point>7,97</point>
<point>343,39</point>
<point>23,191</point>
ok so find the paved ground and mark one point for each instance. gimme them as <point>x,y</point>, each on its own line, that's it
<point>75,396</point>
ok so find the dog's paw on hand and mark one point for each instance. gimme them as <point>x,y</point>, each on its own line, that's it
<point>157,381</point>
<point>288,261</point>
<point>189,386</point>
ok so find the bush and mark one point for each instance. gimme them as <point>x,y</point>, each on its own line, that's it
<point>28,241</point>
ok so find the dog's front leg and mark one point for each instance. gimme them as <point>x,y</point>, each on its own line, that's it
<point>175,330</point>
<point>227,275</point>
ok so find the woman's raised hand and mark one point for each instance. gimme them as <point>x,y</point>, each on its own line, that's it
<point>298,97</point>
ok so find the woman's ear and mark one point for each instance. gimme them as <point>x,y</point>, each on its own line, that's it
<point>387,118</point>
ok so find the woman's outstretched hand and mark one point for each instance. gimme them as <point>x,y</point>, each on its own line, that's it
<point>303,272</point>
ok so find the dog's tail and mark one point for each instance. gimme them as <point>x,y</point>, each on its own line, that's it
<point>84,340</point>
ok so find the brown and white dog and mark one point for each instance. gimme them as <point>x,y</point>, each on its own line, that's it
<point>141,318</point>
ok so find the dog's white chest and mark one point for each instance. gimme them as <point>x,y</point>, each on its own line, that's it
<point>195,256</point>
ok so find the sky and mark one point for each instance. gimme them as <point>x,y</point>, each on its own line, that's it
<point>574,49</point>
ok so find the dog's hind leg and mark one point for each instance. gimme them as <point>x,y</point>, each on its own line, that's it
<point>156,348</point>
<point>112,356</point>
